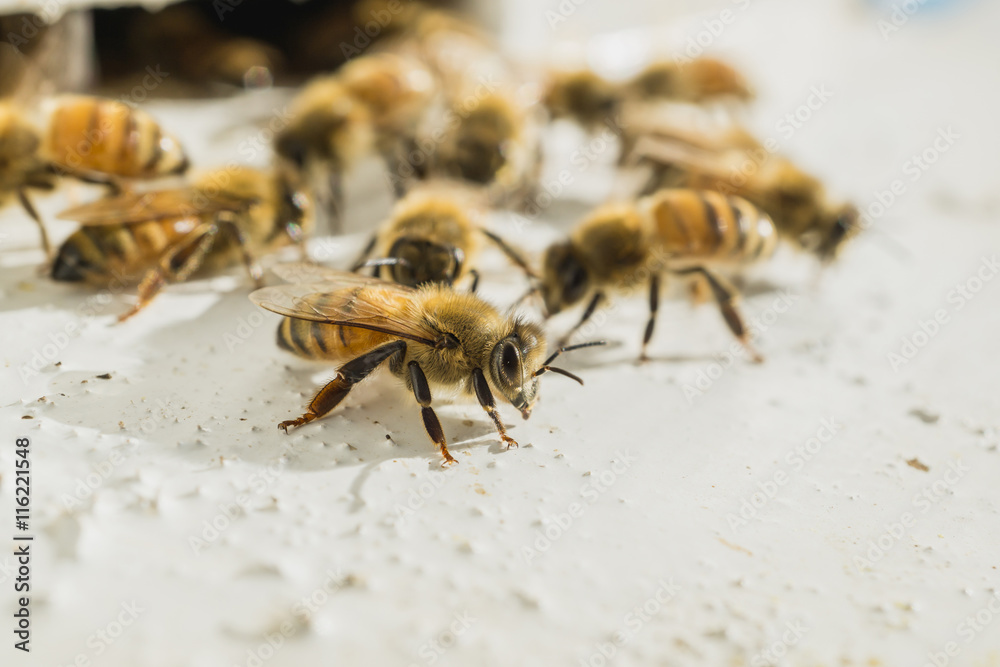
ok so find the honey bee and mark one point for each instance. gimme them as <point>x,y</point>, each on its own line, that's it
<point>682,232</point>
<point>329,131</point>
<point>431,336</point>
<point>797,202</point>
<point>372,105</point>
<point>589,99</point>
<point>582,96</point>
<point>699,80</point>
<point>432,236</point>
<point>87,138</point>
<point>153,238</point>
<point>489,142</point>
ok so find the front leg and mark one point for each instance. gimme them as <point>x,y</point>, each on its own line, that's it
<point>26,204</point>
<point>726,295</point>
<point>231,222</point>
<point>591,307</point>
<point>486,400</point>
<point>422,392</point>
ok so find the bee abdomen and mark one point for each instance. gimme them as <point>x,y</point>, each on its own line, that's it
<point>305,338</point>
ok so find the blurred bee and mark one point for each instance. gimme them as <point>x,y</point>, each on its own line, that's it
<point>153,238</point>
<point>699,80</point>
<point>489,142</point>
<point>590,100</point>
<point>432,236</point>
<point>87,138</point>
<point>796,201</point>
<point>682,232</point>
<point>431,336</point>
<point>372,105</point>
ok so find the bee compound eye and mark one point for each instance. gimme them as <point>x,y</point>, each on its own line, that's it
<point>510,363</point>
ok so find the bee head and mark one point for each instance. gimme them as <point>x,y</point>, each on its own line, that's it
<point>420,261</point>
<point>844,227</point>
<point>565,280</point>
<point>514,363</point>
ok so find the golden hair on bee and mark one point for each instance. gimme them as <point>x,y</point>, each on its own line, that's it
<point>431,338</point>
<point>688,233</point>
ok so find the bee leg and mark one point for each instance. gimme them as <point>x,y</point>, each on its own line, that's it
<point>654,306</point>
<point>422,392</point>
<point>229,221</point>
<point>726,296</point>
<point>176,265</point>
<point>475,281</point>
<point>486,400</point>
<point>512,254</point>
<point>26,204</point>
<point>591,307</point>
<point>348,375</point>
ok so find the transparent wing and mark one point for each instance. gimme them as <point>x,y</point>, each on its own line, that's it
<point>304,272</point>
<point>132,207</point>
<point>352,301</point>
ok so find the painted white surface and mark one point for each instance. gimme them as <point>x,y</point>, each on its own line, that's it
<point>185,426</point>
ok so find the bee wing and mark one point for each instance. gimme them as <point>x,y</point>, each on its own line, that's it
<point>341,302</point>
<point>665,151</point>
<point>130,207</point>
<point>304,272</point>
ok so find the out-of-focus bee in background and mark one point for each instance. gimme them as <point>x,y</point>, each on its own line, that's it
<point>430,337</point>
<point>91,139</point>
<point>589,99</point>
<point>798,203</point>
<point>689,233</point>
<point>434,235</point>
<point>164,236</point>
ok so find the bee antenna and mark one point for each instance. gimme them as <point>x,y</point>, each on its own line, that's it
<point>558,370</point>
<point>545,366</point>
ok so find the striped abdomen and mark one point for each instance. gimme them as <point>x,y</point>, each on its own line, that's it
<point>319,340</point>
<point>90,134</point>
<point>708,226</point>
<point>98,253</point>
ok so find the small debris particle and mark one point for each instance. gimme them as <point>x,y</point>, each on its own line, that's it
<point>121,425</point>
<point>736,547</point>
<point>925,416</point>
<point>27,417</point>
<point>105,376</point>
<point>479,489</point>
<point>915,463</point>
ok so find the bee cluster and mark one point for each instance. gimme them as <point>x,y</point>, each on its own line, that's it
<point>445,111</point>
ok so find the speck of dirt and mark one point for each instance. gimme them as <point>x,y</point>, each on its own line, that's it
<point>925,416</point>
<point>915,463</point>
<point>27,417</point>
<point>105,376</point>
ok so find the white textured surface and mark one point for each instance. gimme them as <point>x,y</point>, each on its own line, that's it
<point>185,426</point>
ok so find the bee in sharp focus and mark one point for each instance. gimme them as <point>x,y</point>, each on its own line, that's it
<point>433,236</point>
<point>88,138</point>
<point>430,337</point>
<point>797,202</point>
<point>687,233</point>
<point>152,238</point>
